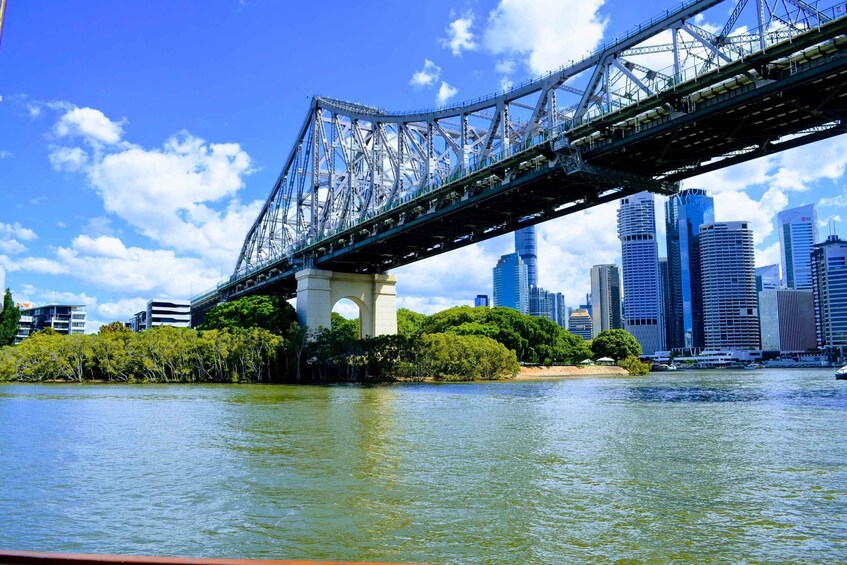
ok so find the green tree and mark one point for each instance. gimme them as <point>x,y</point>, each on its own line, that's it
<point>617,344</point>
<point>409,323</point>
<point>345,326</point>
<point>9,319</point>
<point>114,327</point>
<point>635,366</point>
<point>269,312</point>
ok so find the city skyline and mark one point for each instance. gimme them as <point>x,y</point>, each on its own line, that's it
<point>118,190</point>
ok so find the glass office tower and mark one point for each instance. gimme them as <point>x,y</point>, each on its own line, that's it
<point>798,234</point>
<point>684,214</point>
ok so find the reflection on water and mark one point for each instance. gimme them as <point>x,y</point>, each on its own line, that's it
<point>721,465</point>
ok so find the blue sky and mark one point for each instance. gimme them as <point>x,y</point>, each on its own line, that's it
<point>138,140</point>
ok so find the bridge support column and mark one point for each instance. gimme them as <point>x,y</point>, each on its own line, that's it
<point>375,295</point>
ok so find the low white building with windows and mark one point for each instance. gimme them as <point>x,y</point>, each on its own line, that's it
<point>162,312</point>
<point>67,319</point>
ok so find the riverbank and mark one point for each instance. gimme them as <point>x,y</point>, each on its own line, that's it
<point>535,372</point>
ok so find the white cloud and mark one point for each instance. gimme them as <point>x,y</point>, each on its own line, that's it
<point>122,309</point>
<point>459,35</point>
<point>5,154</point>
<point>89,123</point>
<point>505,66</point>
<point>795,169</point>
<point>733,206</point>
<point>838,201</point>
<point>544,34</point>
<point>33,264</point>
<point>445,93</point>
<point>68,158</point>
<point>107,263</point>
<point>426,76</point>
<point>18,231</point>
<point>11,246</point>
<point>181,195</point>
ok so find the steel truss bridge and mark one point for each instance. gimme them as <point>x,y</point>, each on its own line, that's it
<point>365,190</point>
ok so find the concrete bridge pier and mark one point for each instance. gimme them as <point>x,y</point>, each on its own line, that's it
<point>375,295</point>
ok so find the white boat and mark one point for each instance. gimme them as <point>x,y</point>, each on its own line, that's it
<point>754,366</point>
<point>841,374</point>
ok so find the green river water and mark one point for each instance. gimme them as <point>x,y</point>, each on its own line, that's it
<point>739,466</point>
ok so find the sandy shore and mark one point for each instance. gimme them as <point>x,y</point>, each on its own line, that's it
<point>570,372</point>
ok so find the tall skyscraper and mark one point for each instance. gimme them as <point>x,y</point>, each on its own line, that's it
<point>556,308</point>
<point>829,275</point>
<point>731,320</point>
<point>510,283</point>
<point>684,214</point>
<point>605,298</point>
<point>480,300</point>
<point>787,319</point>
<point>798,233</point>
<point>525,246</point>
<point>640,263</point>
<point>665,296</point>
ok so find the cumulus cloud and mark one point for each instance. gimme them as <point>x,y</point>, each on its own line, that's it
<point>544,34</point>
<point>11,236</point>
<point>89,123</point>
<point>108,263</point>
<point>445,93</point>
<point>459,35</point>
<point>16,230</point>
<point>181,195</point>
<point>122,309</point>
<point>427,76</point>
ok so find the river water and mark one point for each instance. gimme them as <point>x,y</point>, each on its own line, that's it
<point>720,465</point>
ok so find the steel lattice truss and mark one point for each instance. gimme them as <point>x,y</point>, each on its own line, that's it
<point>352,162</point>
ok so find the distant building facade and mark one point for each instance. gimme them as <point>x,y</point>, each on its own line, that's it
<point>66,319</point>
<point>605,298</point>
<point>787,320</point>
<point>162,312</point>
<point>579,323</point>
<point>556,308</point>
<point>640,264</point>
<point>526,246</point>
<point>480,300</point>
<point>684,214</point>
<point>829,276</point>
<point>767,277</point>
<point>798,234</point>
<point>730,307</point>
<point>511,289</point>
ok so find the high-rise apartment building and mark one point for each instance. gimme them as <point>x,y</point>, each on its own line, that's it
<point>640,263</point>
<point>730,312</point>
<point>684,214</point>
<point>829,277</point>
<point>605,298</point>
<point>787,320</point>
<point>798,234</point>
<point>510,283</point>
<point>480,300</point>
<point>526,247</point>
